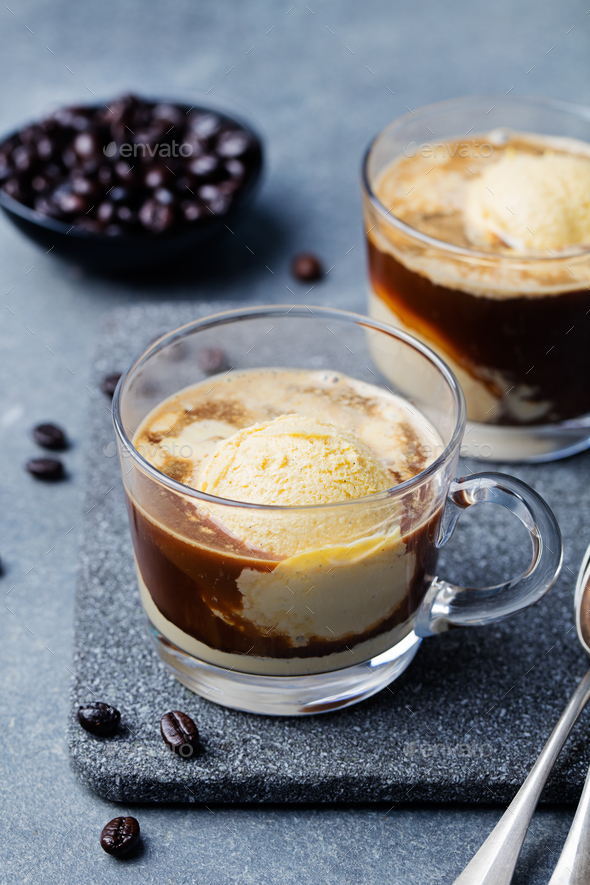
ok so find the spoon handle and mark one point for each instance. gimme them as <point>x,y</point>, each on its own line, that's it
<point>573,866</point>
<point>495,861</point>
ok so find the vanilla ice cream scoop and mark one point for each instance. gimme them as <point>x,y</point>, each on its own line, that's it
<point>531,202</point>
<point>294,460</point>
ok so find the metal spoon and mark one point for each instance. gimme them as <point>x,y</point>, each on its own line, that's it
<point>573,866</point>
<point>495,861</point>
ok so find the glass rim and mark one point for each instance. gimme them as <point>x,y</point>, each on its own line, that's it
<point>450,103</point>
<point>303,311</point>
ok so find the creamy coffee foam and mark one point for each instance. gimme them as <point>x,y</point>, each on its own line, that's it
<point>181,434</point>
<point>488,203</point>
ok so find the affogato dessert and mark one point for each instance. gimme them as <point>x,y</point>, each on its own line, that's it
<point>299,586</point>
<point>496,276</point>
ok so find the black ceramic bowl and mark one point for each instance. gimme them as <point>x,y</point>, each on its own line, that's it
<point>136,249</point>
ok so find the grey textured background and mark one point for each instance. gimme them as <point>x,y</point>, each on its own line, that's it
<point>317,103</point>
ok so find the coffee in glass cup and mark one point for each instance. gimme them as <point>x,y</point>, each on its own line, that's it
<point>286,513</point>
<point>479,245</point>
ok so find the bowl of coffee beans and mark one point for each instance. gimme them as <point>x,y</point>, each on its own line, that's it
<point>129,183</point>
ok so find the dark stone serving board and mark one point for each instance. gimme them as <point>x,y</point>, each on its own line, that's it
<point>464,723</point>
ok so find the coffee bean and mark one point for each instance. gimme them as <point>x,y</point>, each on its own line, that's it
<point>105,212</point>
<point>109,383</point>
<point>184,184</point>
<point>88,167</point>
<point>156,217</point>
<point>70,203</point>
<point>235,168</point>
<point>14,189</point>
<point>209,192</point>
<point>219,205</point>
<point>306,267</point>
<point>227,188</point>
<point>156,176</point>
<point>105,175</point>
<point>232,144</point>
<point>164,196</point>
<point>46,148</point>
<point>204,166</point>
<point>86,145</point>
<point>70,158</point>
<point>40,184</point>
<point>212,360</point>
<point>75,117</point>
<point>204,125</point>
<point>192,210</point>
<point>30,134</point>
<point>50,436</point>
<point>45,468</point>
<point>46,206</point>
<point>24,157</point>
<point>180,733</point>
<point>126,215</point>
<point>170,113</point>
<point>125,172</point>
<point>84,187</point>
<point>99,719</point>
<point>118,194</point>
<point>5,168</point>
<point>120,835</point>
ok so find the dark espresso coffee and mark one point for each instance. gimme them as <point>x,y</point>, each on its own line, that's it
<point>288,591</point>
<point>510,316</point>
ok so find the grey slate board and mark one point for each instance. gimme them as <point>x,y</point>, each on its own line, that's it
<point>463,724</point>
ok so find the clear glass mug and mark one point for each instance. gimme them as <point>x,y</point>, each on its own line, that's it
<point>335,624</point>
<point>522,358</point>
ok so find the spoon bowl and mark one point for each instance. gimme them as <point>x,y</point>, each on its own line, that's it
<point>582,603</point>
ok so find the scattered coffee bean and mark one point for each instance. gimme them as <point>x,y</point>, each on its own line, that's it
<point>99,719</point>
<point>45,468</point>
<point>306,267</point>
<point>212,360</point>
<point>180,733</point>
<point>50,436</point>
<point>120,835</point>
<point>109,383</point>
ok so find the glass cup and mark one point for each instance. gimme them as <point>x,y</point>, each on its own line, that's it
<point>331,625</point>
<point>513,328</point>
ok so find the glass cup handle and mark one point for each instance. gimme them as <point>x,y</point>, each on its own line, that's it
<point>447,605</point>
